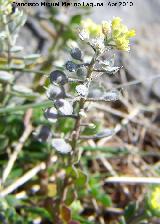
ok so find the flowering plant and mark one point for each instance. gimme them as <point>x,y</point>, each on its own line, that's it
<point>76,103</point>
<point>114,34</point>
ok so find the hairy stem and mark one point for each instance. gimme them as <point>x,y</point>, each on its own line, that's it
<point>75,136</point>
<point>76,131</point>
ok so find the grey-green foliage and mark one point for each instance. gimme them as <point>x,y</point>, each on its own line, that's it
<point>11,21</point>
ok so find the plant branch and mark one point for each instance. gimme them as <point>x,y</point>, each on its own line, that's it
<point>76,131</point>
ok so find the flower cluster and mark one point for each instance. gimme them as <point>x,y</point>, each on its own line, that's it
<point>121,35</point>
<point>5,6</point>
<point>92,28</point>
<point>114,34</point>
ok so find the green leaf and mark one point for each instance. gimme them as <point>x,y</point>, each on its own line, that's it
<point>76,19</point>
<point>81,180</point>
<point>104,199</point>
<point>92,131</point>
<point>12,200</point>
<point>39,211</point>
<point>130,210</point>
<point>71,171</point>
<point>15,173</point>
<point>65,125</point>
<point>97,192</point>
<point>111,150</point>
<point>70,197</point>
<point>3,142</point>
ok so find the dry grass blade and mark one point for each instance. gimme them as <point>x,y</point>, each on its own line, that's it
<point>19,146</point>
<point>133,180</point>
<point>26,177</point>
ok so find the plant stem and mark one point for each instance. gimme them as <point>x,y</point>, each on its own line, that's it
<point>76,131</point>
<point>77,126</point>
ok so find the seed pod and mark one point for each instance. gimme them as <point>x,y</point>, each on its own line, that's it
<point>81,72</point>
<point>111,70</point>
<point>51,114</point>
<point>82,90</point>
<point>71,66</point>
<point>111,96</point>
<point>6,76</point>
<point>95,93</point>
<point>64,107</point>
<point>44,133</point>
<point>54,92</point>
<point>61,146</point>
<point>58,77</point>
<point>76,54</point>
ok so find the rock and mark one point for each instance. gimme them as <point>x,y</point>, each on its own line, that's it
<point>142,62</point>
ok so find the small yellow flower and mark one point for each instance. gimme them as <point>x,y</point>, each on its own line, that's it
<point>116,22</point>
<point>154,201</point>
<point>122,44</point>
<point>131,33</point>
<point>121,35</point>
<point>92,28</point>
